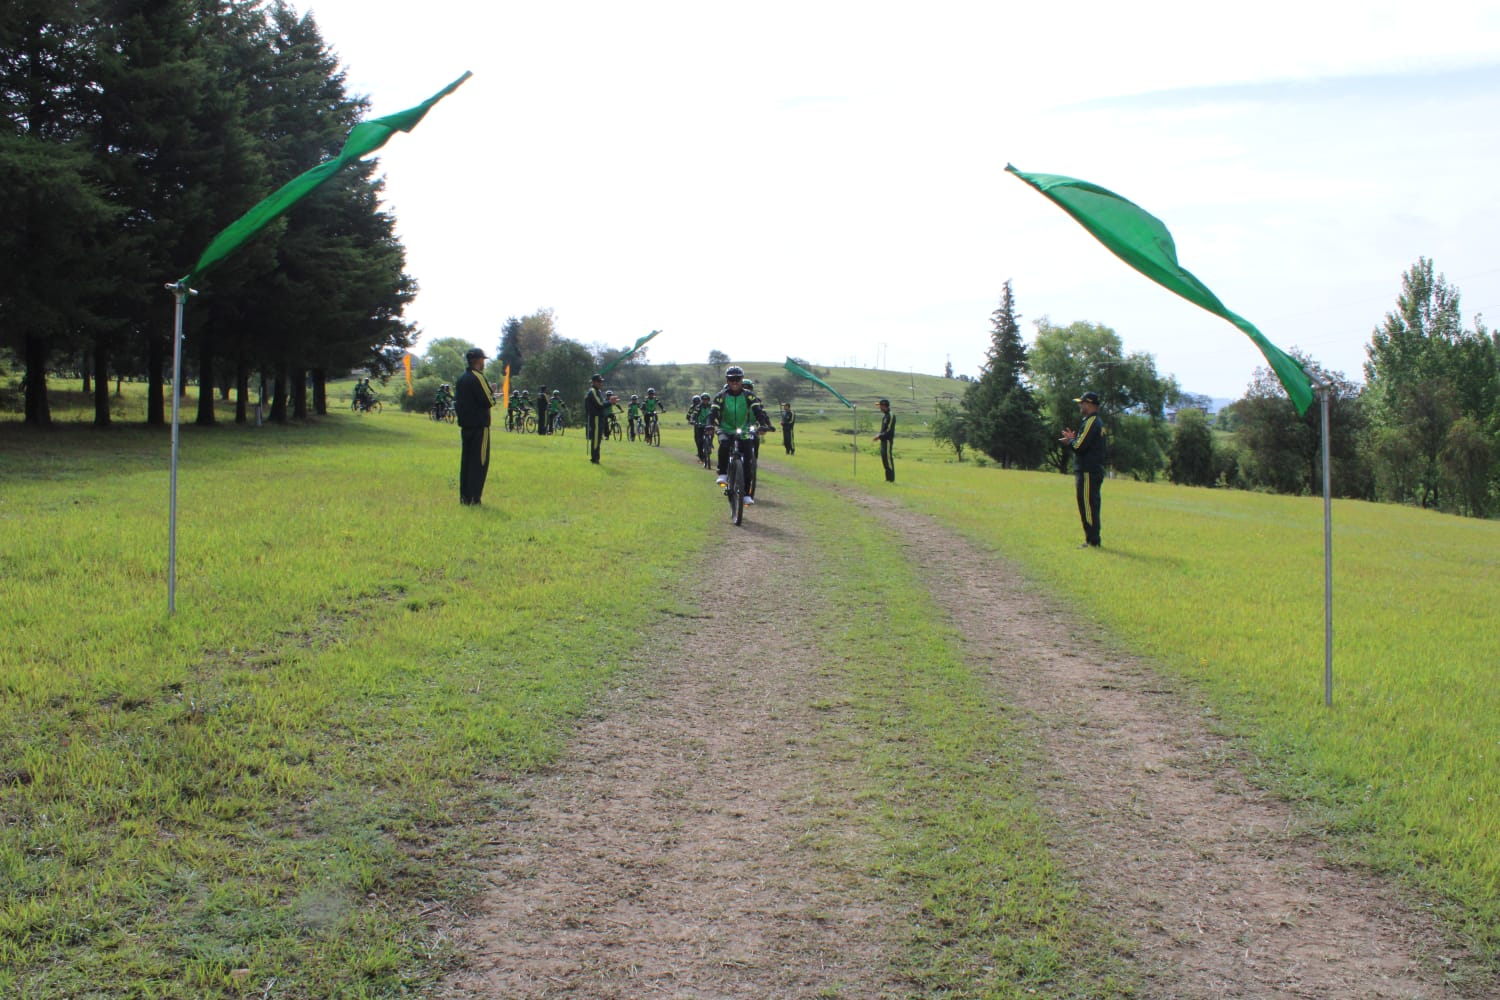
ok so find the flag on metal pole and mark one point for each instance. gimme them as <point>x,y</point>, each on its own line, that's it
<point>364,138</point>
<point>1142,241</point>
<point>801,372</point>
<point>638,345</point>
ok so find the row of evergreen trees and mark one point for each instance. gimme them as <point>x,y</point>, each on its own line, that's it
<point>135,130</point>
<point>1424,428</point>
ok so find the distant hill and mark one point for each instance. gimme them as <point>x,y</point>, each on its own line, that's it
<point>908,392</point>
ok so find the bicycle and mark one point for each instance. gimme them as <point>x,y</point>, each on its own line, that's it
<point>613,430</point>
<point>653,430</point>
<point>739,474</point>
<point>558,425</point>
<point>442,412</point>
<point>365,406</point>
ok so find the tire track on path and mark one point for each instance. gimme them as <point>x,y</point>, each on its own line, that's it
<point>665,854</point>
<point>1217,883</point>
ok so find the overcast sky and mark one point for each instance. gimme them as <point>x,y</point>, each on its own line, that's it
<point>826,179</point>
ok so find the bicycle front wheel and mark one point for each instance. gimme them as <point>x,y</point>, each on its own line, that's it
<point>736,490</point>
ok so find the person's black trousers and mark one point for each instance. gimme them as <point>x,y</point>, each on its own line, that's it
<point>1089,481</point>
<point>596,435</point>
<point>888,459</point>
<point>473,463</point>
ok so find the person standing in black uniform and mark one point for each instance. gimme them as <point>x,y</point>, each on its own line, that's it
<point>541,410</point>
<point>595,414</point>
<point>1088,447</point>
<point>787,420</point>
<point>887,439</point>
<point>472,401</point>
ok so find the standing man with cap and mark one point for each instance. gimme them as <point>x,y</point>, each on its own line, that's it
<point>1088,447</point>
<point>887,439</point>
<point>595,414</point>
<point>473,401</point>
<point>788,419</point>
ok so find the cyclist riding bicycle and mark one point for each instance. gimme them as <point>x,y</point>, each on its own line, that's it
<point>633,417</point>
<point>612,409</point>
<point>703,431</point>
<point>651,411</point>
<point>731,414</point>
<point>554,411</point>
<point>442,401</point>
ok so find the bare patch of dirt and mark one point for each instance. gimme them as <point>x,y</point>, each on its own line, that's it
<point>666,855</point>
<point>1223,892</point>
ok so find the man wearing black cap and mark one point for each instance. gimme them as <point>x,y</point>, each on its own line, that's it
<point>1088,446</point>
<point>472,401</point>
<point>887,439</point>
<point>595,414</point>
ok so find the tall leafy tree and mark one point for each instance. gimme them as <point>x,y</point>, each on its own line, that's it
<point>1002,414</point>
<point>1088,356</point>
<point>1429,377</point>
<point>1282,451</point>
<point>1191,457</point>
<point>565,366</point>
<point>537,333</point>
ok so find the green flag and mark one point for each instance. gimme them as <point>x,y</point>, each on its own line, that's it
<point>801,372</point>
<point>364,138</point>
<point>1142,241</point>
<point>638,345</point>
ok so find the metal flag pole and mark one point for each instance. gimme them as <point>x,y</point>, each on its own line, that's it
<point>1324,389</point>
<point>854,416</point>
<point>180,292</point>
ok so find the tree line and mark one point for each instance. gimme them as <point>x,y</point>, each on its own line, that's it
<point>136,130</point>
<point>1423,428</point>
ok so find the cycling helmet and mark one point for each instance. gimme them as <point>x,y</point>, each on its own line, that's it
<point>697,399</point>
<point>556,393</point>
<point>634,398</point>
<point>525,393</point>
<point>749,383</point>
<point>650,392</point>
<point>734,371</point>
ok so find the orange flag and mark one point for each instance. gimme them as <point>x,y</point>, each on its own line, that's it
<point>505,388</point>
<point>406,363</point>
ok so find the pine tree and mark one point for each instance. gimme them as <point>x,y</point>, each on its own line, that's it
<point>1002,414</point>
<point>52,196</point>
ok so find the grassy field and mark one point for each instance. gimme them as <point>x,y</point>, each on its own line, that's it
<point>274,783</point>
<point>1225,589</point>
<point>278,782</point>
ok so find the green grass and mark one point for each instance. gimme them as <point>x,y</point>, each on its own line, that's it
<point>1225,589</point>
<point>274,783</point>
<point>277,782</point>
<point>945,788</point>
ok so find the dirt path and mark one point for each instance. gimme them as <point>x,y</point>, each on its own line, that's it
<point>665,856</point>
<point>1223,892</point>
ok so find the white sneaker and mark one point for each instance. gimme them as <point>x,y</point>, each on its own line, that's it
<point>722,480</point>
<point>750,501</point>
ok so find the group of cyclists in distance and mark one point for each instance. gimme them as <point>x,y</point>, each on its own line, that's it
<point>734,418</point>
